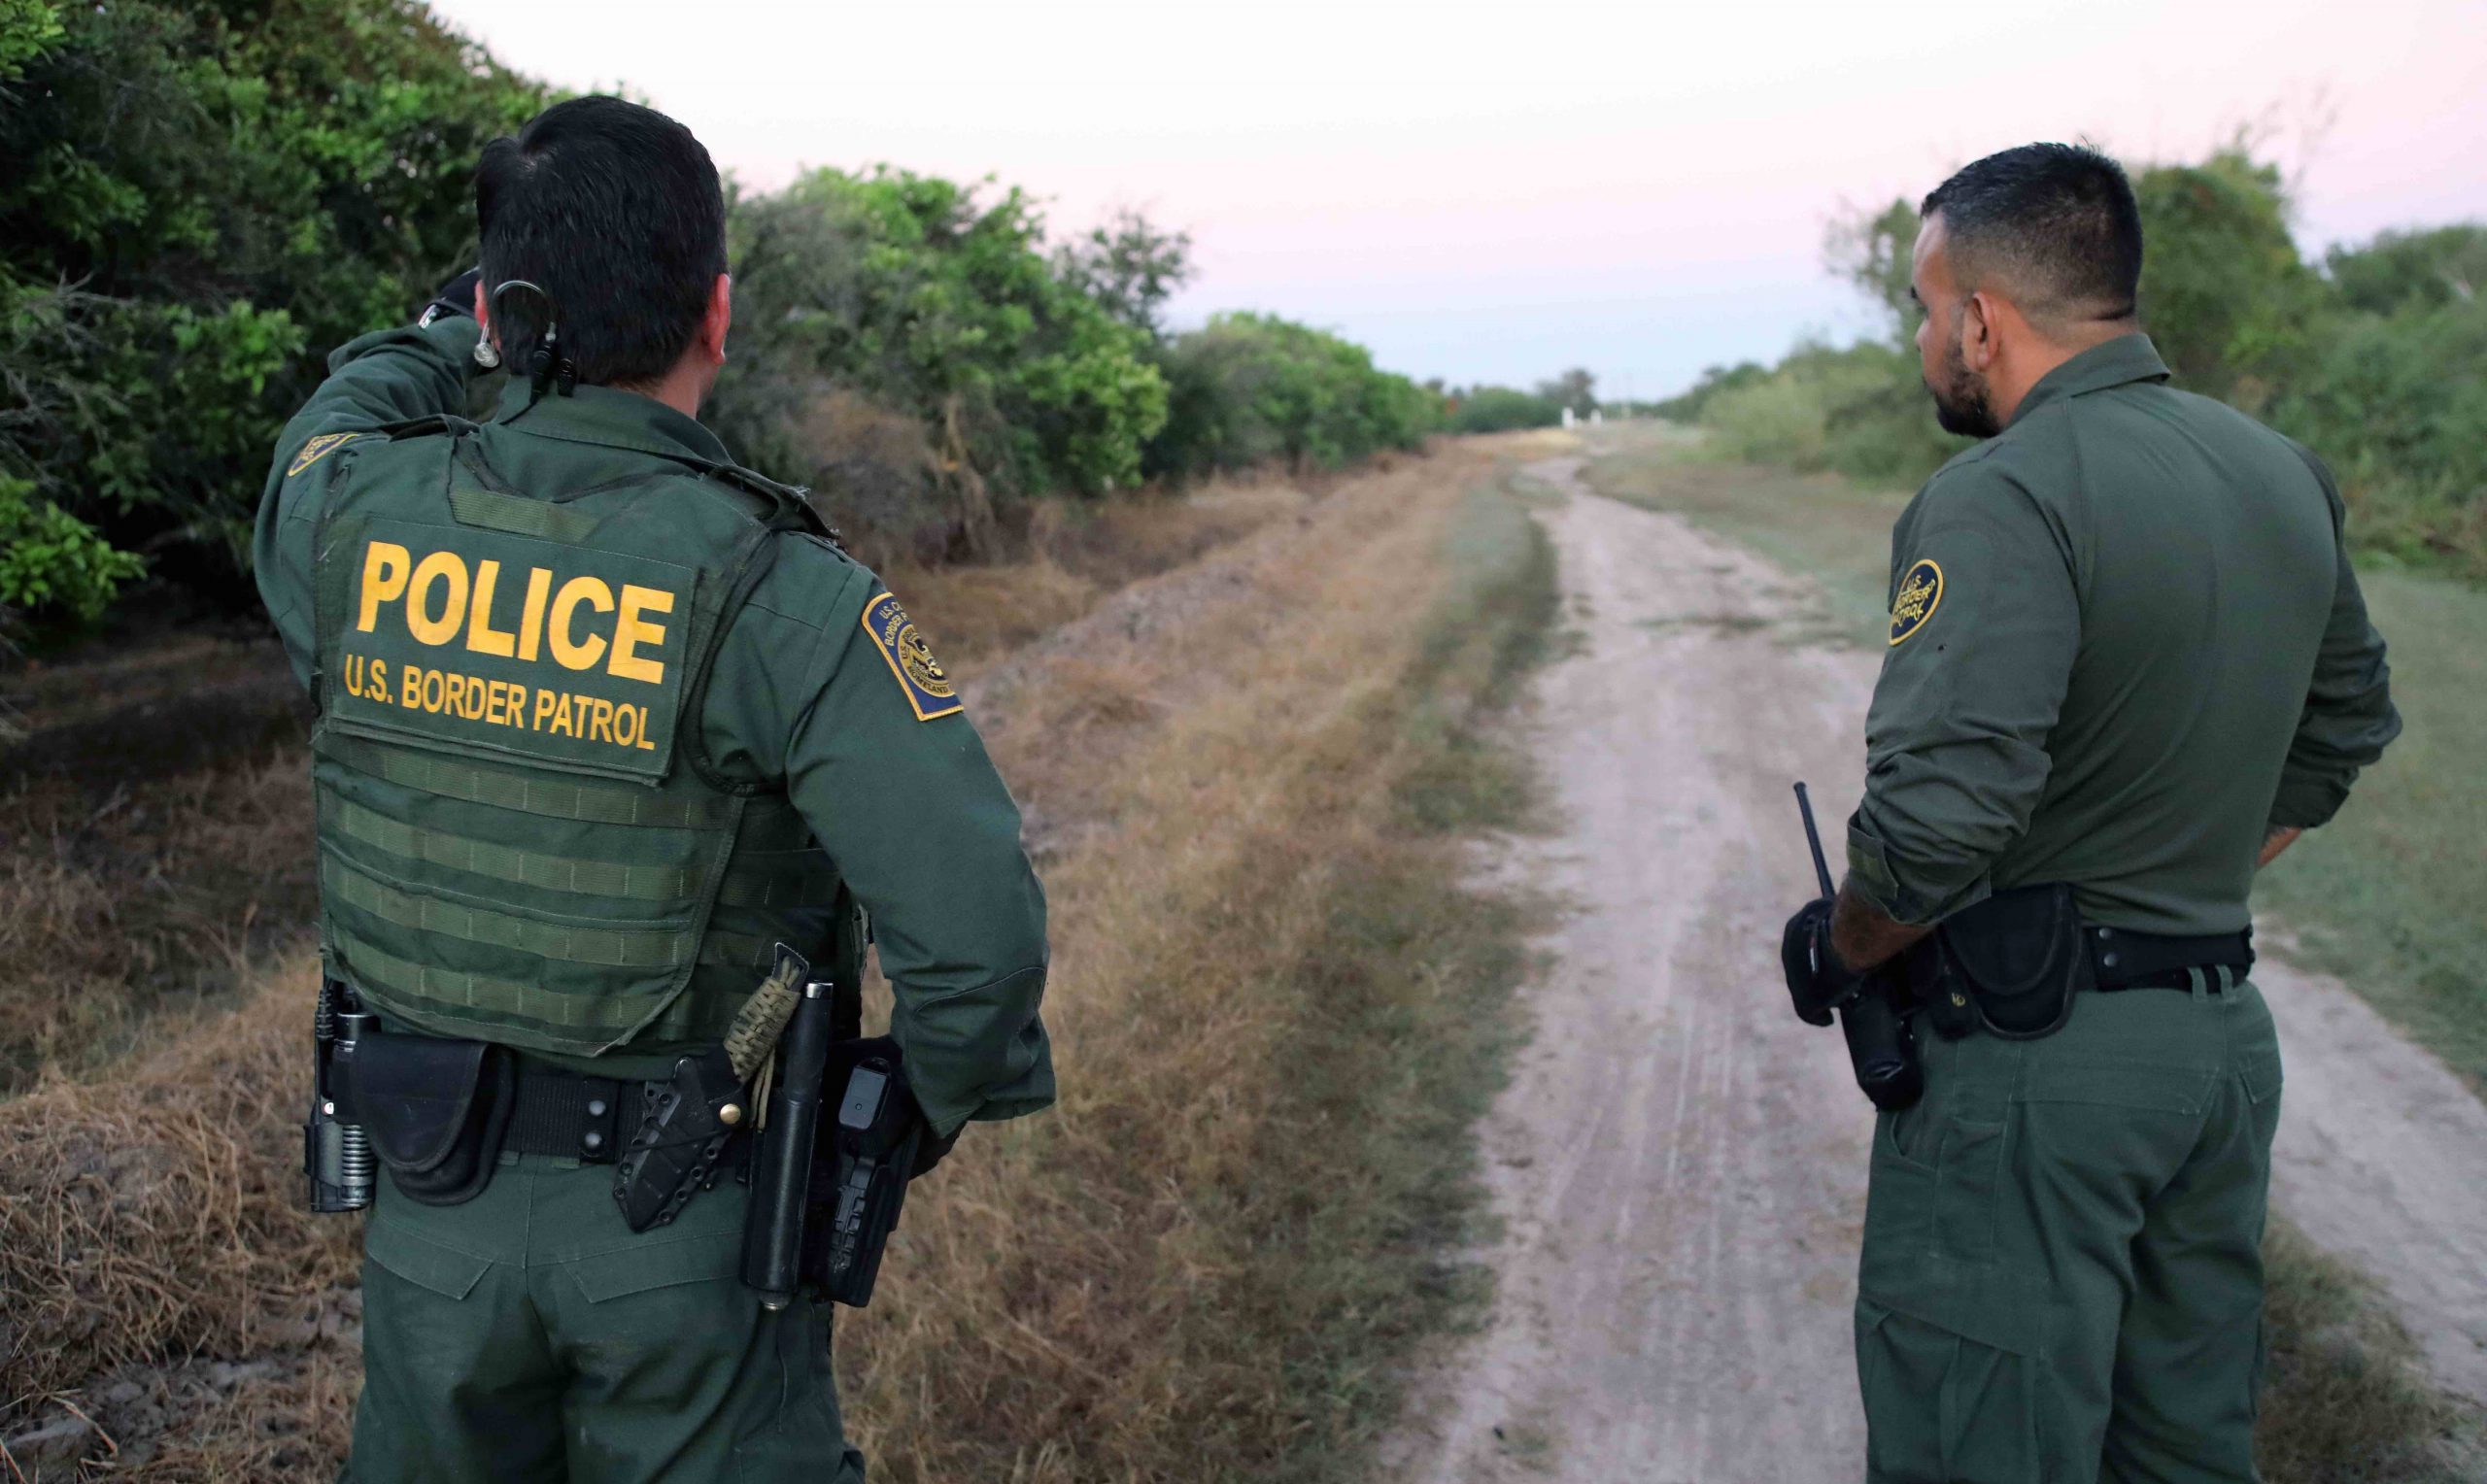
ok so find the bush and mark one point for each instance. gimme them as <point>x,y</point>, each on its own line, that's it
<point>1501,410</point>
<point>50,559</point>
<point>1251,388</point>
<point>202,197</point>
<point>991,375</point>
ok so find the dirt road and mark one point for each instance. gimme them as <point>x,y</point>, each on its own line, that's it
<point>1680,1164</point>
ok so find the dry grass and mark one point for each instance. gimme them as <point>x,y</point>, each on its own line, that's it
<point>158,1215</point>
<point>154,846</point>
<point>1278,1008</point>
<point>2347,1400</point>
<point>1077,554</point>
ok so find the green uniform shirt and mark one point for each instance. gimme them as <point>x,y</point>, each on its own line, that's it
<point>2125,642</point>
<point>800,697</point>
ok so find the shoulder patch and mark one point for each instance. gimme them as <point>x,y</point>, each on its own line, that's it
<point>928,687</point>
<point>318,449</point>
<point>1921,591</point>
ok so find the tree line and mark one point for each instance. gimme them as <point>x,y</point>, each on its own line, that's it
<point>203,197</point>
<point>2375,357</point>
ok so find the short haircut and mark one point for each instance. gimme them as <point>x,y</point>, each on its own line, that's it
<point>615,210</point>
<point>2054,227</point>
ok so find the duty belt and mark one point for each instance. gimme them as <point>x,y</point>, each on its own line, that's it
<point>588,1119</point>
<point>2125,959</point>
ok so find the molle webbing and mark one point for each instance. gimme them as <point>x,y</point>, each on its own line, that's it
<point>532,791</point>
<point>792,878</point>
<point>436,915</point>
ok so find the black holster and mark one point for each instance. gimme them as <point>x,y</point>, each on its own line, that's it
<point>2009,965</point>
<point>436,1111</point>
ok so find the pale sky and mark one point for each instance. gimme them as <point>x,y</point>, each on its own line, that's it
<point>1496,192</point>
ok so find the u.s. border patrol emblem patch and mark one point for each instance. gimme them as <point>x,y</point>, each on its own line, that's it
<point>1921,590</point>
<point>930,692</point>
<point>318,449</point>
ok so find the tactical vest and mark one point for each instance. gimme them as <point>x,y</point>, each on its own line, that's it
<point>520,840</point>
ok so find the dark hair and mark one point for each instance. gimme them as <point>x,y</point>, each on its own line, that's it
<point>615,210</point>
<point>2054,225</point>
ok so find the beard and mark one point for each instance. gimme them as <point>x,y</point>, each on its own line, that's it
<point>1960,402</point>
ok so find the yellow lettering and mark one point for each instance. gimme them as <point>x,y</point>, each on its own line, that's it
<point>599,720</point>
<point>644,744</point>
<point>449,570</point>
<point>515,715</point>
<point>572,654</point>
<point>353,674</point>
<point>376,684</point>
<point>481,637</point>
<point>565,719</point>
<point>626,726</point>
<point>630,631</point>
<point>435,686</point>
<point>531,622</point>
<point>545,701</point>
<point>412,698</point>
<point>384,577</point>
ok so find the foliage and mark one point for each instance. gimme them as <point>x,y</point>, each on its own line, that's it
<point>916,306</point>
<point>1502,409</point>
<point>2378,361</point>
<point>1688,405</point>
<point>1130,266</point>
<point>202,198</point>
<point>1576,389</point>
<point>50,558</point>
<point>1871,250</point>
<point>2228,303</point>
<point>1251,388</point>
<point>1859,409</point>
<point>2436,268</point>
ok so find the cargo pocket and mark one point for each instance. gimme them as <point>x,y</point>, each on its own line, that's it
<point>1968,1166</point>
<point>1942,1407</point>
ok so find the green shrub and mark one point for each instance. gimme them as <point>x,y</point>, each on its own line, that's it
<point>202,197</point>
<point>51,560</point>
<point>1501,410</point>
<point>1251,388</point>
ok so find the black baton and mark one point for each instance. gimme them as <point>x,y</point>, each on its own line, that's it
<point>772,1244</point>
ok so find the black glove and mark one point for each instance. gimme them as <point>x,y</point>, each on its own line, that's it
<point>456,297</point>
<point>1816,981</point>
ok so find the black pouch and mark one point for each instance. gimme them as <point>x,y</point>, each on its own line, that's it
<point>436,1112</point>
<point>2009,965</point>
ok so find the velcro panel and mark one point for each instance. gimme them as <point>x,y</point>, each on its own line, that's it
<point>483,641</point>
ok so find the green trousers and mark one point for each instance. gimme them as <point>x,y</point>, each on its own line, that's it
<point>2063,1276</point>
<point>528,1337</point>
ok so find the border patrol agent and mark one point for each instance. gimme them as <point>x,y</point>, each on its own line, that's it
<point>2128,663</point>
<point>602,718</point>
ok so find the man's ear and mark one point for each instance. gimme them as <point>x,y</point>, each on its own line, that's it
<point>483,307</point>
<point>1980,344</point>
<point>719,317</point>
